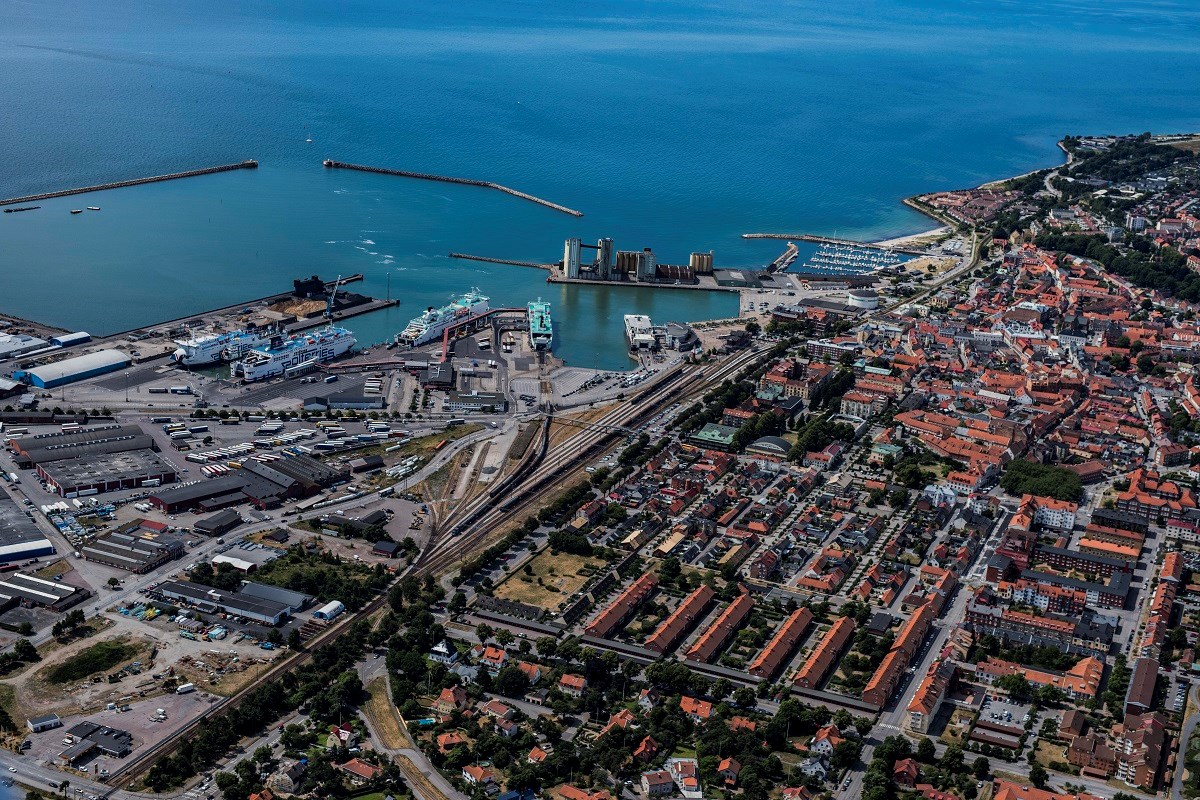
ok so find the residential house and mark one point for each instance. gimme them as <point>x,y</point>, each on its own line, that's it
<point>475,774</point>
<point>657,783</point>
<point>573,685</point>
<point>360,772</point>
<point>698,710</point>
<point>728,769</point>
<point>905,773</point>
<point>451,699</point>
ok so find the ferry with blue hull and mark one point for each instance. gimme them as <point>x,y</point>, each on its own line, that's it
<point>541,327</point>
<point>318,346</point>
<point>433,322</point>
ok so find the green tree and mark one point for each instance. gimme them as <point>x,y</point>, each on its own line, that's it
<point>1038,775</point>
<point>1015,684</point>
<point>926,751</point>
<point>981,768</point>
<point>24,650</point>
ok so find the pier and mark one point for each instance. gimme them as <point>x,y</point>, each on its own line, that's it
<point>808,237</point>
<point>511,261</point>
<point>425,176</point>
<point>249,164</point>
<point>345,313</point>
<point>785,260</point>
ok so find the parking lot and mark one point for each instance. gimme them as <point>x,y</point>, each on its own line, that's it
<point>140,721</point>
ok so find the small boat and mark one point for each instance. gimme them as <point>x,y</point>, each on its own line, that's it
<point>93,208</point>
<point>76,210</point>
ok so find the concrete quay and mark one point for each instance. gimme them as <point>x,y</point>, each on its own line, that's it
<point>248,164</point>
<point>706,284</point>
<point>347,313</point>
<point>808,237</point>
<point>426,176</point>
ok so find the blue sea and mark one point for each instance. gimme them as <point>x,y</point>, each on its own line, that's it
<point>671,125</point>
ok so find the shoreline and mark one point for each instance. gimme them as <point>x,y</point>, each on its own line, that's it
<point>947,226</point>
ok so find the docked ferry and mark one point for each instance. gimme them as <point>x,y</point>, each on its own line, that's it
<point>214,347</point>
<point>434,321</point>
<point>283,353</point>
<point>541,327</point>
<point>639,332</point>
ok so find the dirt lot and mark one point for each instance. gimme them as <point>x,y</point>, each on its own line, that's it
<point>37,695</point>
<point>223,670</point>
<point>553,578</point>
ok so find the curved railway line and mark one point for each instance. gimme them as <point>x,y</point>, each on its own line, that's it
<point>546,470</point>
<point>539,472</point>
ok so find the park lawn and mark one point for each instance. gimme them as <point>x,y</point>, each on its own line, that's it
<point>560,578</point>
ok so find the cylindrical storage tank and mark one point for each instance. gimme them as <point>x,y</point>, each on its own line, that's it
<point>865,299</point>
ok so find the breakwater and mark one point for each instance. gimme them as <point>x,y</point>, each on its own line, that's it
<point>249,164</point>
<point>512,261</point>
<point>425,176</point>
<point>808,237</point>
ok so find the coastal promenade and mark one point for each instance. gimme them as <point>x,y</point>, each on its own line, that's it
<point>248,164</point>
<point>426,176</point>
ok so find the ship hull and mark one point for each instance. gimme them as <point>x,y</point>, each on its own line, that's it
<point>430,326</point>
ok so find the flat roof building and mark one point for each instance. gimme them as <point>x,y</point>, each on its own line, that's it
<point>475,401</point>
<point>13,345</point>
<point>265,486</point>
<point>210,600</point>
<point>219,523</point>
<point>43,723</point>
<point>107,472</point>
<point>20,537</point>
<point>295,601</point>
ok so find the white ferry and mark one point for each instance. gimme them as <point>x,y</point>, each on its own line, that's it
<point>430,325</point>
<point>639,332</point>
<point>320,345</point>
<point>228,346</point>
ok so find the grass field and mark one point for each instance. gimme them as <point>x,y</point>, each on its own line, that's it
<point>384,717</point>
<point>560,576</point>
<point>1048,752</point>
<point>100,657</point>
<point>60,567</point>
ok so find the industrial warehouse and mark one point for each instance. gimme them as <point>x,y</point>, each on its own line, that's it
<point>18,588</point>
<point>20,538</point>
<point>71,370</point>
<point>259,602</point>
<point>94,460</point>
<point>265,486</point>
<point>128,552</point>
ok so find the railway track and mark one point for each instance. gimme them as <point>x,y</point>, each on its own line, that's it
<point>528,485</point>
<point>536,475</point>
<point>167,747</point>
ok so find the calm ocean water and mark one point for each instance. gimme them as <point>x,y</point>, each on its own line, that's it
<point>671,126</point>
